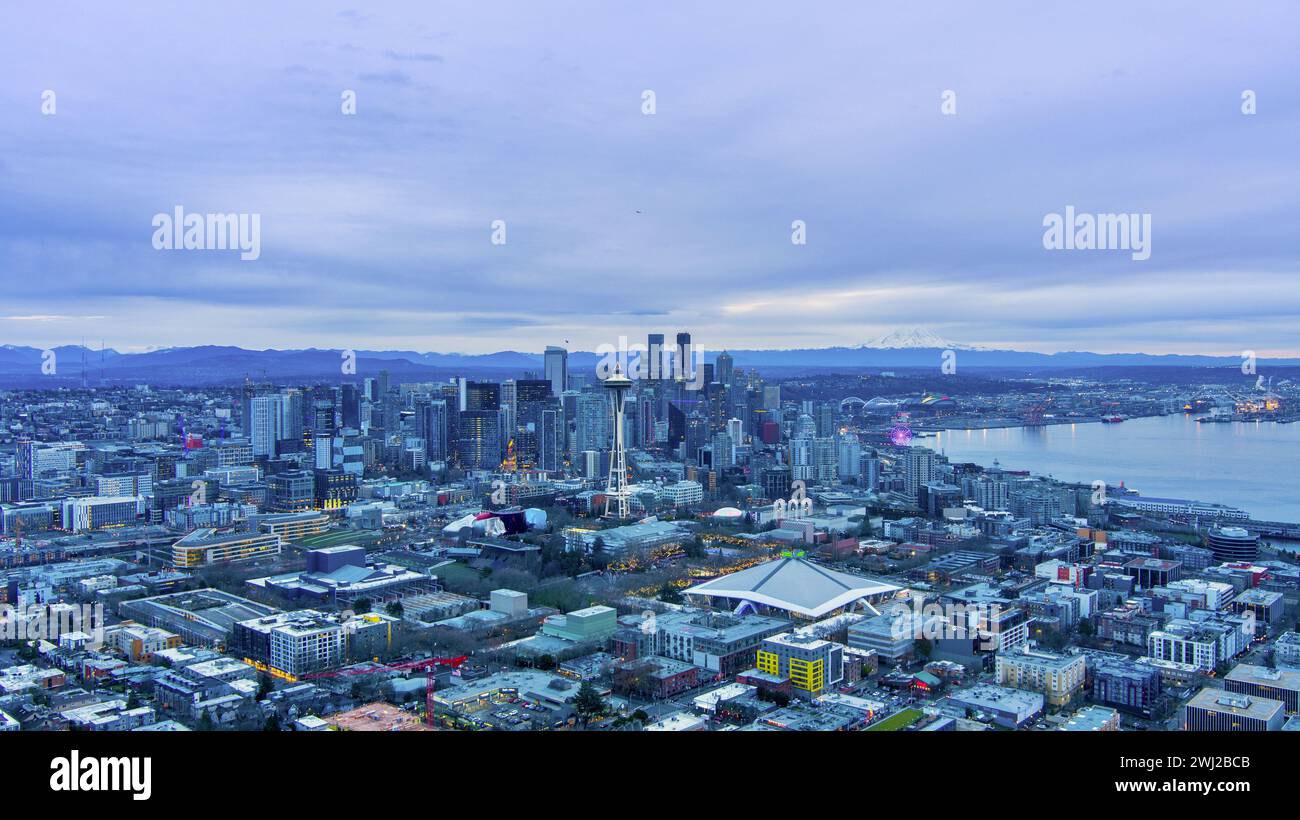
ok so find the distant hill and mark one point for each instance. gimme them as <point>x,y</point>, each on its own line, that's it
<point>213,364</point>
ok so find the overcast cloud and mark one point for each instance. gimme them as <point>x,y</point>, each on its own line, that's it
<point>375,228</point>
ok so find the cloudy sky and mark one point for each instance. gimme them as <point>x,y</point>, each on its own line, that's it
<point>376,227</point>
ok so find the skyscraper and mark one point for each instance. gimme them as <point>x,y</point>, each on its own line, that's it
<point>532,398</point>
<point>433,429</point>
<point>725,368</point>
<point>654,356</point>
<point>918,469</point>
<point>263,420</point>
<point>480,426</point>
<point>556,369</point>
<point>685,360</point>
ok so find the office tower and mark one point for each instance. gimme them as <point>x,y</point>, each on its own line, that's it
<point>383,386</point>
<point>724,369</point>
<point>1233,544</point>
<point>480,439</point>
<point>322,417</point>
<point>918,470</point>
<point>685,358</point>
<point>772,397</point>
<point>655,356</point>
<point>736,429</point>
<point>479,426</point>
<point>482,396</point>
<point>351,409</point>
<point>532,398</point>
<point>696,435</point>
<point>556,369</point>
<point>616,495</point>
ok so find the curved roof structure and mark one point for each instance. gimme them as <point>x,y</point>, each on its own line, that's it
<point>794,585</point>
<point>727,512</point>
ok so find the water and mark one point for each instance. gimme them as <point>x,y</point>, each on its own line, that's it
<point>1251,465</point>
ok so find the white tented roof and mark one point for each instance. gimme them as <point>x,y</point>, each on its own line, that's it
<point>795,585</point>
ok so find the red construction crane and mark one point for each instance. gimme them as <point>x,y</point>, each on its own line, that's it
<point>429,665</point>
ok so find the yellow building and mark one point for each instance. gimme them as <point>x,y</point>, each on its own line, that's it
<point>811,664</point>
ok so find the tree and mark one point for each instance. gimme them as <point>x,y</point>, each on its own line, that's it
<point>272,724</point>
<point>588,703</point>
<point>923,648</point>
<point>395,609</point>
<point>362,606</point>
<point>669,594</point>
<point>695,547</point>
<point>264,686</point>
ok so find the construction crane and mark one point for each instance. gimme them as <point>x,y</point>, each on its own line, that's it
<point>1034,413</point>
<point>429,665</point>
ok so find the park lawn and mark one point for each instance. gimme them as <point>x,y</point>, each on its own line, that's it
<point>901,720</point>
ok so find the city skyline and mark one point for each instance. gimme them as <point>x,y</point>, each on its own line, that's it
<point>376,227</point>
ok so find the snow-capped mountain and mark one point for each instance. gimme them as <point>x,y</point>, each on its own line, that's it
<point>912,338</point>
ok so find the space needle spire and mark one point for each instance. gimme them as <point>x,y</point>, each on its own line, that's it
<point>616,496</point>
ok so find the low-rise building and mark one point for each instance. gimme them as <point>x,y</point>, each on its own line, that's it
<point>1058,677</point>
<point>1214,710</point>
<point>1260,681</point>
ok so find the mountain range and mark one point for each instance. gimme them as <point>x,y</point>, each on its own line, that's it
<point>212,364</point>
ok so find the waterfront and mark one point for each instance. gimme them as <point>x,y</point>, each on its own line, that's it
<point>1242,464</point>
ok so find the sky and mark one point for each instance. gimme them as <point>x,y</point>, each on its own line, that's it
<point>376,228</point>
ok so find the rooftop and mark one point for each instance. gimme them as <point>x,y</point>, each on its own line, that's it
<point>795,585</point>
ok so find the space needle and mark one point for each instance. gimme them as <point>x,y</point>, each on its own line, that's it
<point>616,502</point>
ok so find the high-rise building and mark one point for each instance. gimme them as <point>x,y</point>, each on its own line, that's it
<point>433,429</point>
<point>480,439</point>
<point>550,440</point>
<point>593,422</point>
<point>532,398</point>
<point>351,406</point>
<point>655,356</point>
<point>991,493</point>
<point>826,419</point>
<point>725,368</point>
<point>685,371</point>
<point>556,369</point>
<point>263,421</point>
<point>918,469</point>
<point>850,457</point>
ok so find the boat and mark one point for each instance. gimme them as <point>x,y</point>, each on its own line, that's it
<point>1111,419</point>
